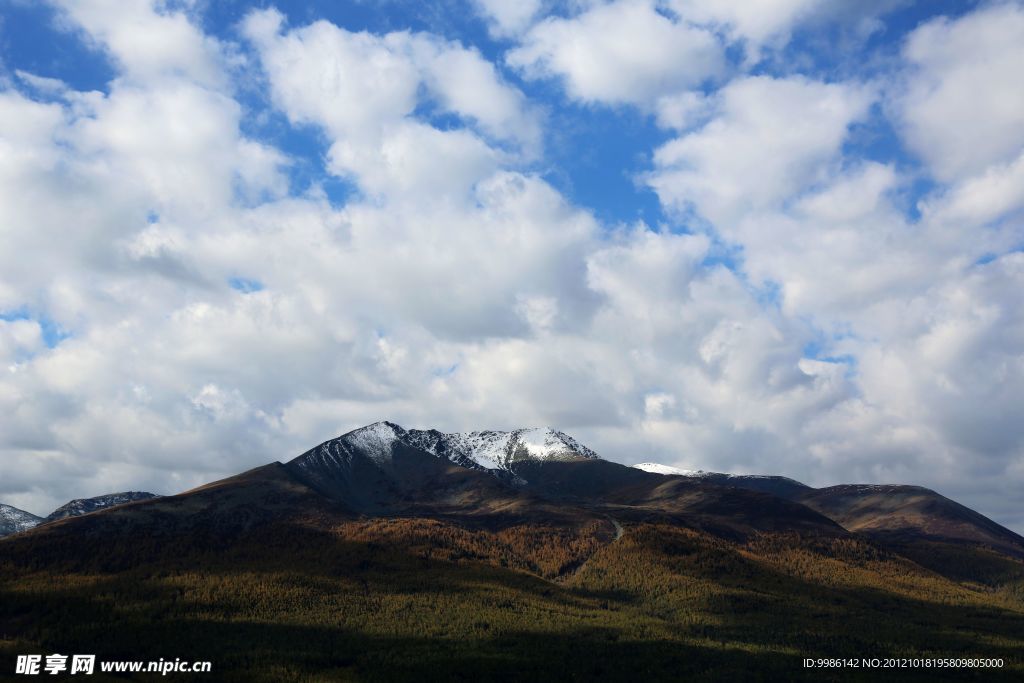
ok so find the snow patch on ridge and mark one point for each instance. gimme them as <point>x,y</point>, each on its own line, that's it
<point>657,468</point>
<point>493,451</point>
<point>13,520</point>
<point>375,440</point>
<point>550,444</point>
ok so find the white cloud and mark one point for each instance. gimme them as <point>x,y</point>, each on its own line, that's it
<point>912,328</point>
<point>508,18</point>
<point>350,83</point>
<point>359,85</point>
<point>981,199</point>
<point>769,139</point>
<point>42,84</point>
<point>961,103</point>
<point>146,40</point>
<point>405,162</point>
<point>756,21</point>
<point>19,339</point>
<point>764,26</point>
<point>540,312</point>
<point>681,111</point>
<point>622,52</point>
<point>466,83</point>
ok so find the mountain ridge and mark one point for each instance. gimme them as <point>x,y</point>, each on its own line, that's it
<point>13,520</point>
<point>385,469</point>
<point>83,506</point>
<point>608,564</point>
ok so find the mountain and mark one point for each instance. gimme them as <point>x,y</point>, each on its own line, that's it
<point>393,554</point>
<point>492,451</point>
<point>773,484</point>
<point>890,513</point>
<point>902,513</point>
<point>540,473</point>
<point>13,520</point>
<point>83,506</point>
<point>384,469</point>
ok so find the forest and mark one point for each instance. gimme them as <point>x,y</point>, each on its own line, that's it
<point>425,599</point>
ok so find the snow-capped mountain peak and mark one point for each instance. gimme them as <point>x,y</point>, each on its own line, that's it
<point>375,440</point>
<point>497,450</point>
<point>13,520</point>
<point>486,450</point>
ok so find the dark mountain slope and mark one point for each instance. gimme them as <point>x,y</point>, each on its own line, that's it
<point>374,471</point>
<point>901,513</point>
<point>890,514</point>
<point>634,494</point>
<point>202,517</point>
<point>83,506</point>
<point>784,487</point>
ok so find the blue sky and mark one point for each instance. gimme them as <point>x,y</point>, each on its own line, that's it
<point>774,237</point>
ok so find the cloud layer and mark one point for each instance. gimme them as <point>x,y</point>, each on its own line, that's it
<point>831,291</point>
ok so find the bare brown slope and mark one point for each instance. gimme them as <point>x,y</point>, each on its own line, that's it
<point>228,506</point>
<point>897,513</point>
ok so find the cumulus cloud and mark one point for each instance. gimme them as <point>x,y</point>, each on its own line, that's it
<point>961,99</point>
<point>755,21</point>
<point>759,26</point>
<point>769,138</point>
<point>507,19</point>
<point>360,84</point>
<point>146,40</point>
<point>622,52</point>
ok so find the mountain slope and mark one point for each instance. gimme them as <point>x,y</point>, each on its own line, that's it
<point>542,474</point>
<point>378,470</point>
<point>776,485</point>
<point>271,581</point>
<point>83,506</point>
<point>899,513</point>
<point>182,526</point>
<point>886,513</point>
<point>13,520</point>
<point>372,558</point>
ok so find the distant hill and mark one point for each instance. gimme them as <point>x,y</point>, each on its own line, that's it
<point>888,513</point>
<point>13,520</point>
<point>900,513</point>
<point>83,506</point>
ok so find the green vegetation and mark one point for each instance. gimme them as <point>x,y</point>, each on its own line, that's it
<point>419,599</point>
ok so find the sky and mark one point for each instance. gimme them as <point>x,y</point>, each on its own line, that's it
<point>751,236</point>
